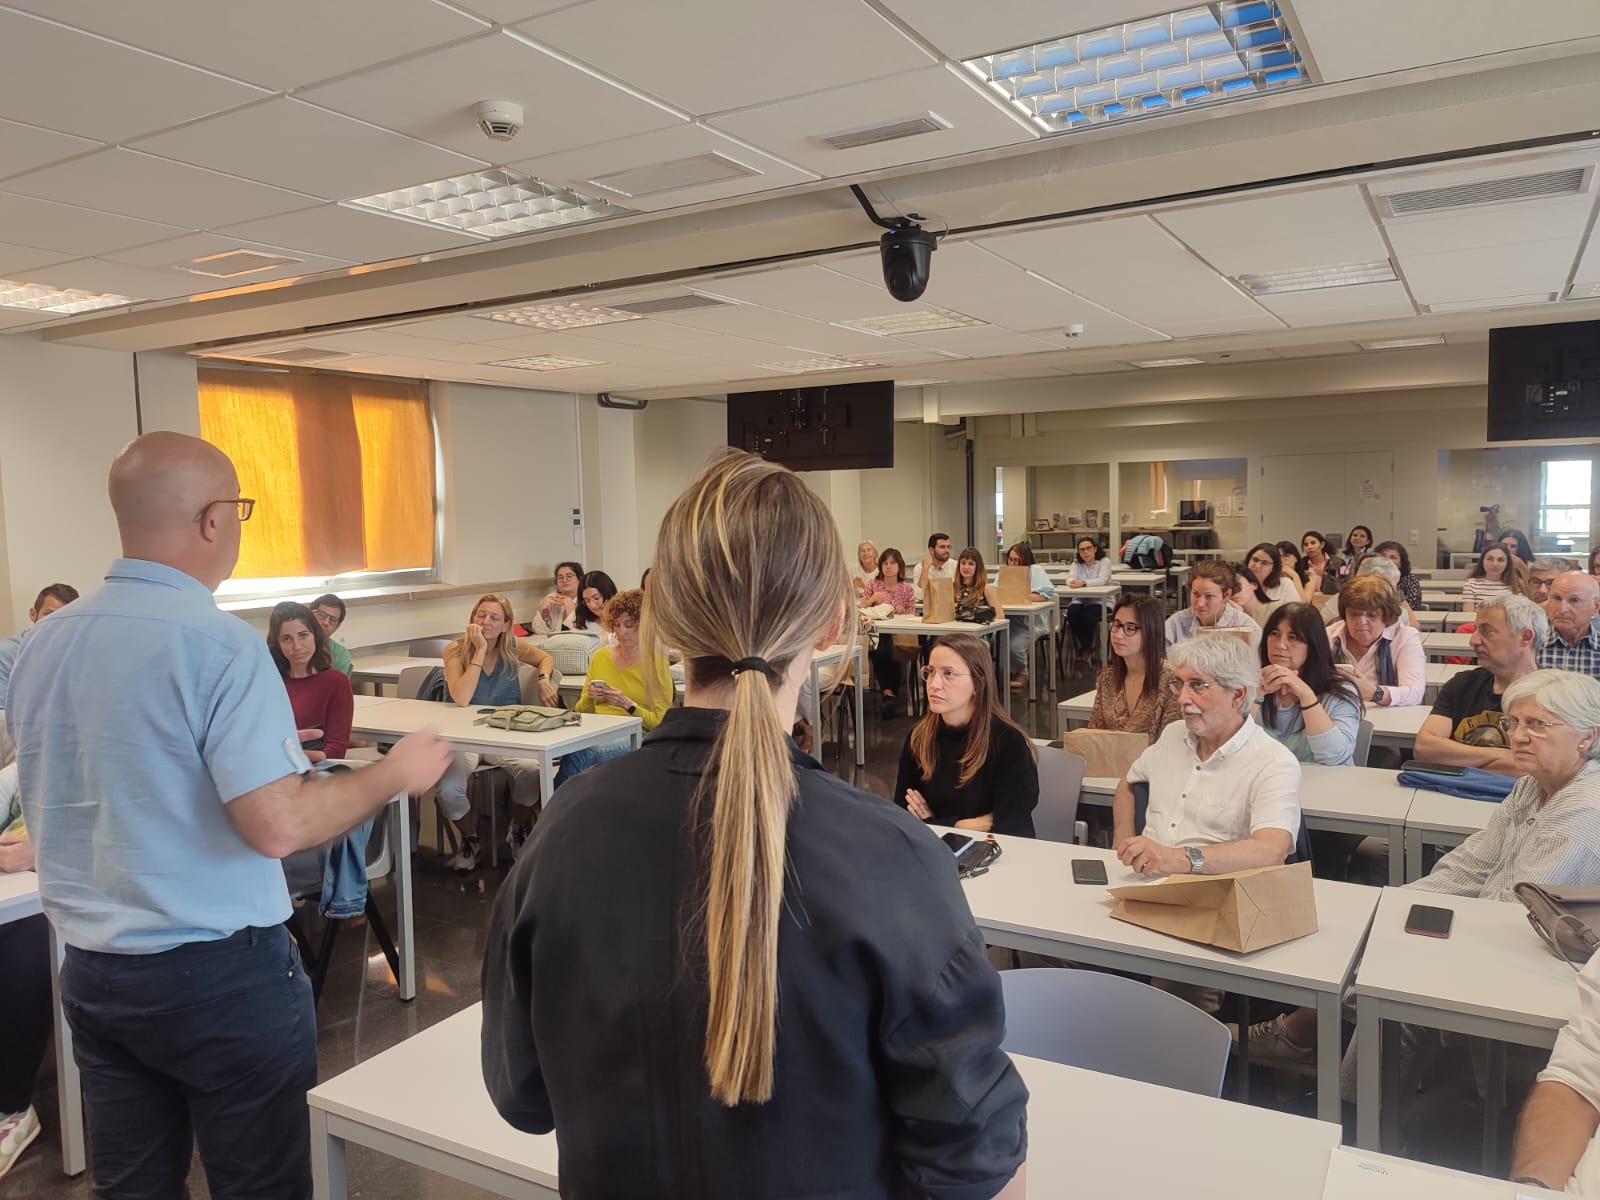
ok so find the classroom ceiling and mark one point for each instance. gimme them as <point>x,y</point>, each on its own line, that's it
<point>199,136</point>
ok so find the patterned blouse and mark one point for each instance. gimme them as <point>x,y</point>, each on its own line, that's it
<point>902,597</point>
<point>1149,716</point>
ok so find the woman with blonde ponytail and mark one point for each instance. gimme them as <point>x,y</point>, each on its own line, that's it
<point>718,971</point>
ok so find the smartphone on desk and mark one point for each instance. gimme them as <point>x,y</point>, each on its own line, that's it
<point>1431,768</point>
<point>1428,921</point>
<point>957,842</point>
<point>1089,870</point>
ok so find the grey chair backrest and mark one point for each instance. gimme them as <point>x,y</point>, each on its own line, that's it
<point>528,680</point>
<point>1060,780</point>
<point>1116,1026</point>
<point>1363,744</point>
<point>410,682</point>
<point>428,648</point>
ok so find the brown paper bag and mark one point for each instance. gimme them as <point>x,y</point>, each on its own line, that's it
<point>1243,910</point>
<point>938,600</point>
<point>1012,585</point>
<point>1106,753</point>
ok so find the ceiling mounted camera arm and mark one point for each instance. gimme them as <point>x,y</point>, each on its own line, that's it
<point>905,251</point>
<point>909,221</point>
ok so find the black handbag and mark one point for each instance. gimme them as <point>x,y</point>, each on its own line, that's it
<point>977,614</point>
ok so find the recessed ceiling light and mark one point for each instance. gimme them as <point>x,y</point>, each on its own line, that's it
<point>1169,362</point>
<point>1583,291</point>
<point>915,321</point>
<point>230,264</point>
<point>559,315</point>
<point>800,366</point>
<point>40,297</point>
<point>490,204</point>
<point>545,362</point>
<point>1142,68</point>
<point>1310,279</point>
<point>1432,339</point>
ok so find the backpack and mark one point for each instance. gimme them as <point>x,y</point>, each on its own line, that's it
<point>433,687</point>
<point>1146,552</point>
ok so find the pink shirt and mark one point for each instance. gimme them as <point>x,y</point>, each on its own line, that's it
<point>1406,652</point>
<point>902,597</point>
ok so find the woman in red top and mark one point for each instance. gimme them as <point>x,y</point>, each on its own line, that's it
<point>319,695</point>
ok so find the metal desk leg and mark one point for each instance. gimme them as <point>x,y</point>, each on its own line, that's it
<point>1033,672</point>
<point>861,705</point>
<point>1107,607</point>
<point>68,1084</point>
<point>1328,1056</point>
<point>327,1160</point>
<point>1413,854</point>
<point>1368,1092</point>
<point>547,778</point>
<point>1397,855</point>
<point>1054,617</point>
<point>1494,1101</point>
<point>404,900</point>
<point>1003,638</point>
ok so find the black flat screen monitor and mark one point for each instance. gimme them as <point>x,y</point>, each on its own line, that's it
<point>845,427</point>
<point>1193,512</point>
<point>1544,382</point>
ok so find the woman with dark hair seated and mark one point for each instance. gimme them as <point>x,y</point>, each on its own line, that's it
<point>889,586</point>
<point>1132,694</point>
<point>1357,544</point>
<point>1305,702</point>
<point>320,696</point>
<point>1516,541</point>
<point>1409,587</point>
<point>559,610</point>
<point>1322,565</point>
<point>595,590</point>
<point>966,763</point>
<point>1263,582</point>
<point>1090,568</point>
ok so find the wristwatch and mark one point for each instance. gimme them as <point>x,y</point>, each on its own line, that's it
<point>1197,860</point>
<point>1378,693</point>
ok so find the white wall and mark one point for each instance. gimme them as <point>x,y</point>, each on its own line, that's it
<point>672,440</point>
<point>64,414</point>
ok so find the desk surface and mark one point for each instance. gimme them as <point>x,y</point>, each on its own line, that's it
<point>1435,812</point>
<point>1364,1175</point>
<point>1030,891</point>
<point>1492,964</point>
<point>917,625</point>
<point>1394,721</point>
<point>1441,673</point>
<point>386,668</point>
<point>383,717</point>
<point>1449,643</point>
<point>1354,793</point>
<point>19,896</point>
<point>1085,1138</point>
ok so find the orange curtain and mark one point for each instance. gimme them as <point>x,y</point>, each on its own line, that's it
<point>341,468</point>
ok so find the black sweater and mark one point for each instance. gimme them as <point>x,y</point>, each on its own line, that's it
<point>890,1077</point>
<point>1007,784</point>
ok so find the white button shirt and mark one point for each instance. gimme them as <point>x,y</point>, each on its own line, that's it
<point>1251,782</point>
<point>1575,1061</point>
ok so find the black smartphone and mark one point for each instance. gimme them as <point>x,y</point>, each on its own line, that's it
<point>1430,768</point>
<point>1088,870</point>
<point>956,841</point>
<point>1428,921</point>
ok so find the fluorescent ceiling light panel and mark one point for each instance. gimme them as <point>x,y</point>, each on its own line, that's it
<point>230,264</point>
<point>1311,279</point>
<point>801,366</point>
<point>914,321</point>
<point>545,362</point>
<point>1160,64</point>
<point>40,297</point>
<point>1170,362</point>
<point>560,314</point>
<point>490,204</point>
<point>1432,339</point>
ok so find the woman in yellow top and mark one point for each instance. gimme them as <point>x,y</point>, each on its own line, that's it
<point>621,683</point>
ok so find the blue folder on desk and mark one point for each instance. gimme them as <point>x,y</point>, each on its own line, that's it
<point>1475,784</point>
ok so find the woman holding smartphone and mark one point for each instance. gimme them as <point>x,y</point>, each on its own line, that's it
<point>621,682</point>
<point>790,970</point>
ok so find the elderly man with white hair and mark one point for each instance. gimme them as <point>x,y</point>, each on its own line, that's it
<point>1574,608</point>
<point>1224,795</point>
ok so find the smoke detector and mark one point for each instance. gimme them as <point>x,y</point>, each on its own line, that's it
<point>500,120</point>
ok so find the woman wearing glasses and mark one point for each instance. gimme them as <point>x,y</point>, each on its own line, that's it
<point>1134,693</point>
<point>559,610</point>
<point>966,763</point>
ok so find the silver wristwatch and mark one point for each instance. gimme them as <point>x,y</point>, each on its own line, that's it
<point>1197,860</point>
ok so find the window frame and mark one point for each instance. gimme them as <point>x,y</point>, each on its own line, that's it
<point>1581,536</point>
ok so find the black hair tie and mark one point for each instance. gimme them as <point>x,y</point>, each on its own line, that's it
<point>751,664</point>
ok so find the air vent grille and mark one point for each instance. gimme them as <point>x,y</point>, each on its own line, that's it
<point>1566,182</point>
<point>892,132</point>
<point>672,304</point>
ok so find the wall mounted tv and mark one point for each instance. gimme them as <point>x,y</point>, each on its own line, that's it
<point>1544,382</point>
<point>845,427</point>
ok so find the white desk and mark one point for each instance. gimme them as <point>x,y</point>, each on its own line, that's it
<point>1029,902</point>
<point>1105,595</point>
<point>1436,819</point>
<point>383,670</point>
<point>386,720</point>
<point>1397,727</point>
<point>997,633</point>
<point>1448,645</point>
<point>1440,673</point>
<point>1367,1175</point>
<point>1090,1133</point>
<point>1050,610</point>
<point>1074,713</point>
<point>1492,978</point>
<point>19,899</point>
<point>1156,581</point>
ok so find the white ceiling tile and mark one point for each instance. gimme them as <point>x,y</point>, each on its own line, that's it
<point>16,318</point>
<point>154,189</point>
<point>677,338</point>
<point>1285,215</point>
<point>1491,225</point>
<point>279,46</point>
<point>965,30</point>
<point>1477,273</point>
<point>1493,302</point>
<point>807,292</point>
<point>1356,39</point>
<point>72,82</point>
<point>290,144</point>
<point>24,147</point>
<point>466,330</point>
<point>170,254</point>
<point>1589,264</point>
<point>706,56</point>
<point>15,260</point>
<point>775,328</point>
<point>338,232</point>
<point>393,341</point>
<point>1314,248</point>
<point>794,128</point>
<point>977,342</point>
<point>1133,267</point>
<point>1339,305</point>
<point>1315,350</point>
<point>578,168</point>
<point>137,283</point>
<point>76,231</point>
<point>1201,326</point>
<point>431,97</point>
<point>508,12</point>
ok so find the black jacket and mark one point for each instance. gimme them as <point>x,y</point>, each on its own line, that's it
<point>890,1077</point>
<point>1007,785</point>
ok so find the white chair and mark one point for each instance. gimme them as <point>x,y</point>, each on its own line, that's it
<point>1114,1025</point>
<point>1060,781</point>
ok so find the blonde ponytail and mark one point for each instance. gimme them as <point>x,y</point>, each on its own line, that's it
<point>750,534</point>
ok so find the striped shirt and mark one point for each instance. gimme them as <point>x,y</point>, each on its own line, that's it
<point>1556,843</point>
<point>1476,591</point>
<point>1582,656</point>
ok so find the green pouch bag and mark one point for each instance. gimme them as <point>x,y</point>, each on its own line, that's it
<point>528,718</point>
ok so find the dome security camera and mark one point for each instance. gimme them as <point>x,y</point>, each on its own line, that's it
<point>906,254</point>
<point>500,120</point>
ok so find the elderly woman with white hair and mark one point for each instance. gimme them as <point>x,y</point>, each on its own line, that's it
<point>866,568</point>
<point>1223,795</point>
